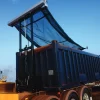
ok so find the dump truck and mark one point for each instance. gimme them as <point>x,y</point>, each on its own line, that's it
<point>58,69</point>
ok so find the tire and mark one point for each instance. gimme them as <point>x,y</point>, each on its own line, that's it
<point>73,96</point>
<point>51,98</point>
<point>28,97</point>
<point>70,95</point>
<point>85,93</point>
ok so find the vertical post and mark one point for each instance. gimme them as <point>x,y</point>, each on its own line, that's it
<point>55,47</point>
<point>33,69</point>
<point>18,61</point>
<point>20,39</point>
<point>32,46</point>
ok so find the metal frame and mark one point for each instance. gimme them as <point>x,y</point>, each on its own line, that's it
<point>33,9</point>
<point>20,39</point>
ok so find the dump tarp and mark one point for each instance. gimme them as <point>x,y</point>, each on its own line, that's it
<point>44,27</point>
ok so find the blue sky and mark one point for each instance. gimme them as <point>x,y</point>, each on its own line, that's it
<point>80,19</point>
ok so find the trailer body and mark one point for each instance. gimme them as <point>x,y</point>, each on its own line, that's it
<point>56,67</point>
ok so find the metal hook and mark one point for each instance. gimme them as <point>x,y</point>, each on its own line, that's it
<point>45,2</point>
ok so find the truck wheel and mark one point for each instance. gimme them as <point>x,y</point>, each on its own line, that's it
<point>85,94</point>
<point>39,97</point>
<point>73,96</point>
<point>47,97</point>
<point>28,97</point>
<point>70,95</point>
<point>44,97</point>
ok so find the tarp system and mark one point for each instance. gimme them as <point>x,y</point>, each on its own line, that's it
<point>40,22</point>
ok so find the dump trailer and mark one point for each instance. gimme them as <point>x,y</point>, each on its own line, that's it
<point>57,69</point>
